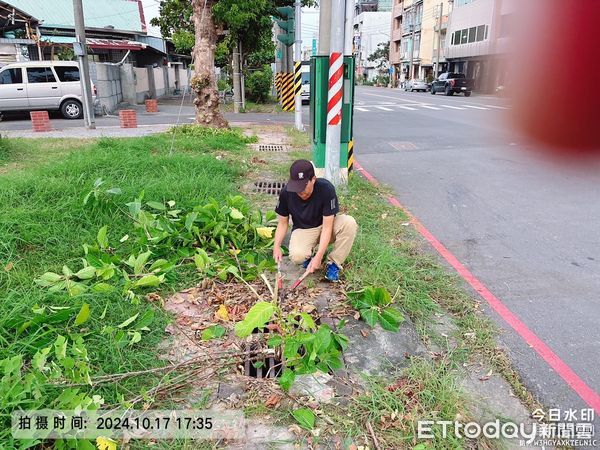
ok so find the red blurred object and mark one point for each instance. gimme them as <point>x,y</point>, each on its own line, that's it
<point>555,70</point>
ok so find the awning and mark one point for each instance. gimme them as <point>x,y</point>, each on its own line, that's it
<point>111,44</point>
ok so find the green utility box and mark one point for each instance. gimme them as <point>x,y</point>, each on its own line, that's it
<point>319,85</point>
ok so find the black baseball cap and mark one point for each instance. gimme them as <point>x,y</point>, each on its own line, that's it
<point>301,172</point>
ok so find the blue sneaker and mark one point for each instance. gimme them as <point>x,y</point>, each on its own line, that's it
<point>306,263</point>
<point>333,272</point>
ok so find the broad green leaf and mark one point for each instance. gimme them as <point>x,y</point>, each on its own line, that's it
<point>60,347</point>
<point>103,315</point>
<point>148,281</point>
<point>135,338</point>
<point>38,361</point>
<point>124,238</point>
<point>74,289</point>
<point>145,320</point>
<point>213,332</point>
<point>156,205</point>
<point>102,237</point>
<point>134,208</point>
<point>114,191</point>
<point>322,338</point>
<point>390,319</point>
<point>102,288</point>
<point>382,296</point>
<point>67,272</point>
<point>258,364</point>
<point>307,321</point>
<point>287,379</point>
<point>270,215</point>
<point>190,219</point>
<point>48,279</point>
<point>274,341</point>
<point>86,273</point>
<point>341,340</point>
<point>236,214</point>
<point>98,182</point>
<point>257,317</point>
<point>370,316</point>
<point>128,321</point>
<point>83,315</point>
<point>305,418</point>
<point>140,262</point>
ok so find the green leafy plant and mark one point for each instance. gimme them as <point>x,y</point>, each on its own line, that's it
<point>304,346</point>
<point>374,305</point>
<point>258,84</point>
<point>100,195</point>
<point>305,418</point>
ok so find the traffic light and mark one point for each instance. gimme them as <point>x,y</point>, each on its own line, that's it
<point>287,25</point>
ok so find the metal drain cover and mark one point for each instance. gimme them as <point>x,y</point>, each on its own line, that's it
<point>270,148</point>
<point>268,187</point>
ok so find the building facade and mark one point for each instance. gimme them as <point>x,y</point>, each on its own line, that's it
<point>416,28</point>
<point>370,29</point>
<point>478,40</point>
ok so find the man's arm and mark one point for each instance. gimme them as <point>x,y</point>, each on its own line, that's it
<point>283,223</point>
<point>325,239</point>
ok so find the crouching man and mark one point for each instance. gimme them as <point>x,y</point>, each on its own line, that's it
<point>313,205</point>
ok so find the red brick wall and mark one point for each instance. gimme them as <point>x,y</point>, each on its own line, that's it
<point>40,120</point>
<point>128,118</point>
<point>152,105</point>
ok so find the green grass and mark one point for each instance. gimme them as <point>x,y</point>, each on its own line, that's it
<point>45,223</point>
<point>271,107</point>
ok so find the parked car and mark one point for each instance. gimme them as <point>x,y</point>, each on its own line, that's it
<point>416,85</point>
<point>452,83</point>
<point>43,85</point>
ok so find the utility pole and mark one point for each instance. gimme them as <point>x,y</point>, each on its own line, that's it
<point>298,68</point>
<point>412,46</point>
<point>242,80</point>
<point>84,68</point>
<point>335,92</point>
<point>237,95</point>
<point>439,38</point>
<point>324,27</point>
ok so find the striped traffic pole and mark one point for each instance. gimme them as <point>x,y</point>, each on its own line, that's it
<point>297,95</point>
<point>350,156</point>
<point>287,101</point>
<point>278,86</point>
<point>333,171</point>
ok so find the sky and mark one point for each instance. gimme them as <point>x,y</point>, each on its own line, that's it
<point>309,21</point>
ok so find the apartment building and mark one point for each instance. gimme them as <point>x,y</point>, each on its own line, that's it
<point>478,40</point>
<point>415,30</point>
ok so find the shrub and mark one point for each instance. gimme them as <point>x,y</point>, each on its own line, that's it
<point>258,85</point>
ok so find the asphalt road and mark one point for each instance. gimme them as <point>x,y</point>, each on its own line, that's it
<point>528,229</point>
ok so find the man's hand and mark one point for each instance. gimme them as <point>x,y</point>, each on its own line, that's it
<point>277,254</point>
<point>315,263</point>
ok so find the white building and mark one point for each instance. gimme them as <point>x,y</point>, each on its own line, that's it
<point>370,29</point>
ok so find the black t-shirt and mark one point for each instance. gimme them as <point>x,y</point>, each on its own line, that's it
<point>309,213</point>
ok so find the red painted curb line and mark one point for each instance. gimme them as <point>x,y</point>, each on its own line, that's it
<point>587,394</point>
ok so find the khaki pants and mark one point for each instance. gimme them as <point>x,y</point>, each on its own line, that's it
<point>304,241</point>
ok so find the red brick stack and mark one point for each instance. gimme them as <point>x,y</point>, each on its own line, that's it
<point>128,118</point>
<point>152,106</point>
<point>40,121</point>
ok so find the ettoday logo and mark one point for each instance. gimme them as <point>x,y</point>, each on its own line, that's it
<point>473,430</point>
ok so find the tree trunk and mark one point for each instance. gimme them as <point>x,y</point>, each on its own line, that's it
<point>204,82</point>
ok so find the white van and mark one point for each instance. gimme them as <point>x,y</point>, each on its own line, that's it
<point>42,85</point>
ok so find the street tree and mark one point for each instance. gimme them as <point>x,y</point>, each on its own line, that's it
<point>247,22</point>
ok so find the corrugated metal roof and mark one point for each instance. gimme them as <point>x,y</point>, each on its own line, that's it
<point>121,14</point>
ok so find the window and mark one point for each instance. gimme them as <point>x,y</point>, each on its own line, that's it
<point>472,34</point>
<point>456,39</point>
<point>464,36</point>
<point>480,33</point>
<point>486,31</point>
<point>67,73</point>
<point>40,75</point>
<point>11,76</point>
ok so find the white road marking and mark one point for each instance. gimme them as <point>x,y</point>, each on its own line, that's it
<point>362,109</point>
<point>383,108</point>
<point>430,107</point>
<point>498,107</point>
<point>474,107</point>
<point>452,107</point>
<point>406,107</point>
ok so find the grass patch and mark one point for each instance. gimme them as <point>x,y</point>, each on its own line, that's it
<point>271,107</point>
<point>45,223</point>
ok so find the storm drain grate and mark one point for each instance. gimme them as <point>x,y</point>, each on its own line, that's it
<point>270,148</point>
<point>268,187</point>
<point>260,367</point>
